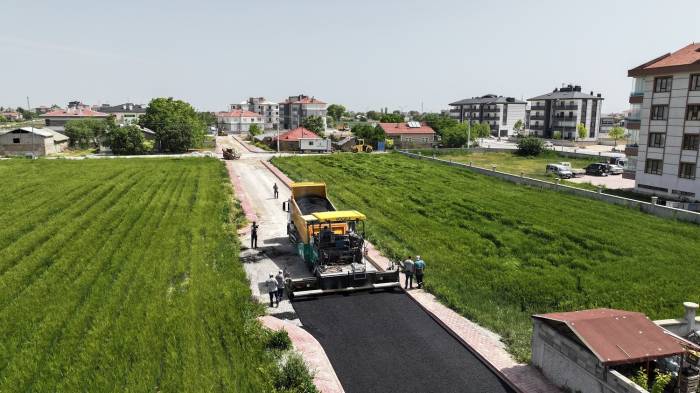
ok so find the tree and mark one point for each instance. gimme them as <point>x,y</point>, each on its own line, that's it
<point>391,118</point>
<point>530,146</point>
<point>581,130</point>
<point>556,135</point>
<point>26,114</point>
<point>314,124</point>
<point>336,111</point>
<point>208,118</point>
<point>374,115</point>
<point>254,130</point>
<point>3,119</point>
<point>126,140</point>
<point>480,130</point>
<point>176,124</point>
<point>518,127</point>
<point>456,136</point>
<point>438,122</point>
<point>616,133</point>
<point>370,133</point>
<point>88,132</point>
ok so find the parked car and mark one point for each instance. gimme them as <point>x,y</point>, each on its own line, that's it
<point>575,171</point>
<point>597,169</point>
<point>560,171</point>
<point>614,169</point>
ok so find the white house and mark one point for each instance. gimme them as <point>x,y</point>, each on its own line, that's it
<point>238,121</point>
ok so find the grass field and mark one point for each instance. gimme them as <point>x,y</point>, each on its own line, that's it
<point>498,253</point>
<point>123,275</point>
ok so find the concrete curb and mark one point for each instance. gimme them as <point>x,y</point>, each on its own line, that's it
<point>246,205</point>
<point>311,350</point>
<point>251,149</point>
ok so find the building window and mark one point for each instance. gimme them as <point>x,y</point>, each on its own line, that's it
<point>657,139</point>
<point>693,112</point>
<point>691,141</point>
<point>15,140</point>
<point>686,170</point>
<point>654,167</point>
<point>694,82</point>
<point>662,84</point>
<point>659,112</point>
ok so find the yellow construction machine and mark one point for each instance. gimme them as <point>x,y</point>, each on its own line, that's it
<point>360,147</point>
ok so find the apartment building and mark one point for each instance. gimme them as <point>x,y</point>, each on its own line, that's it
<point>295,109</point>
<point>608,121</point>
<point>501,113</point>
<point>562,110</point>
<point>268,110</point>
<point>238,121</point>
<point>666,103</point>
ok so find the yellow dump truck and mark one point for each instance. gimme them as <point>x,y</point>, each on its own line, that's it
<point>331,243</point>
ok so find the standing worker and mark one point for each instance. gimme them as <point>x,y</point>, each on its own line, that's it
<point>271,285</point>
<point>419,267</point>
<point>254,235</point>
<point>408,269</point>
<point>275,190</point>
<point>280,286</point>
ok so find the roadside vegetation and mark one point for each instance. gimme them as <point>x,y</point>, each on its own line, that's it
<point>124,275</point>
<point>498,252</point>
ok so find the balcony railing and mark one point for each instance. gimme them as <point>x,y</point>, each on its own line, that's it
<point>537,117</point>
<point>637,94</point>
<point>491,109</point>
<point>537,127</point>
<point>537,107</point>
<point>567,107</point>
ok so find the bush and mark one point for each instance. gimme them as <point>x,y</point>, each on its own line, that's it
<point>279,340</point>
<point>530,146</point>
<point>294,377</point>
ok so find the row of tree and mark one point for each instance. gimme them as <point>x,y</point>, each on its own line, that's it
<point>177,126</point>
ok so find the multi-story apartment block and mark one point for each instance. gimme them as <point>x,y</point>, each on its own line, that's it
<point>501,113</point>
<point>607,122</point>
<point>667,104</point>
<point>562,110</point>
<point>268,110</point>
<point>297,108</point>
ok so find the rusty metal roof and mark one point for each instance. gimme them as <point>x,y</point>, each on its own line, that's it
<point>616,336</point>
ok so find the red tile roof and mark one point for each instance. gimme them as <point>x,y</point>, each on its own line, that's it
<point>238,113</point>
<point>403,128</point>
<point>296,134</point>
<point>616,336</point>
<point>684,59</point>
<point>74,112</point>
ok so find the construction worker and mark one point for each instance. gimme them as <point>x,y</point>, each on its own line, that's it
<point>280,285</point>
<point>419,267</point>
<point>271,285</point>
<point>254,235</point>
<point>326,234</point>
<point>275,190</point>
<point>408,269</point>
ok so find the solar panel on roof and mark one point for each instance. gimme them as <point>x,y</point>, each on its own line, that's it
<point>413,124</point>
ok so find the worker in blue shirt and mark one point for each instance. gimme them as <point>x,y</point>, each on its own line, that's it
<point>419,267</point>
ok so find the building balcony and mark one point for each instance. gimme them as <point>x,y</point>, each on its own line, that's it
<point>539,127</point>
<point>565,107</point>
<point>636,97</point>
<point>537,117</point>
<point>632,123</point>
<point>632,151</point>
<point>488,110</point>
<point>537,108</point>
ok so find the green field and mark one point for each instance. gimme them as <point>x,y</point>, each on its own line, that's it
<point>123,275</point>
<point>499,252</point>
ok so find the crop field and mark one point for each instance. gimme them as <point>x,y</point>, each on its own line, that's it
<point>123,275</point>
<point>497,252</point>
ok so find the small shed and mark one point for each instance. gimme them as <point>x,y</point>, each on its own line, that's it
<point>577,350</point>
<point>290,140</point>
<point>31,140</point>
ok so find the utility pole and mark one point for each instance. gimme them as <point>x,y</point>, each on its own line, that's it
<point>31,125</point>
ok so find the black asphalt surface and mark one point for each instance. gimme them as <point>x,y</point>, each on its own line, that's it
<point>384,342</point>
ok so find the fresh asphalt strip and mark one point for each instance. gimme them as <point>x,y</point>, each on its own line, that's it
<point>384,342</point>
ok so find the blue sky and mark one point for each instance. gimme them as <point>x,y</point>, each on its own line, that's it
<point>363,54</point>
